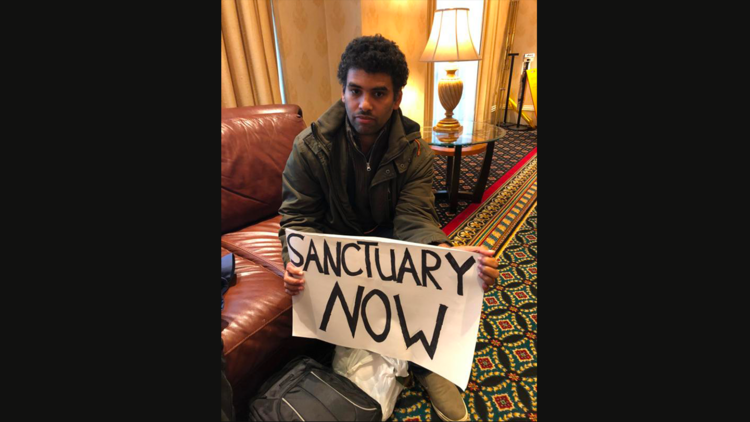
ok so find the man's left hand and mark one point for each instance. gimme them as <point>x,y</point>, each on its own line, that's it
<point>487,265</point>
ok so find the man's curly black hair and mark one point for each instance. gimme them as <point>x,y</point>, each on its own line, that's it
<point>375,54</point>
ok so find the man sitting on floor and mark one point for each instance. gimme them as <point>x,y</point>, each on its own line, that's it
<point>362,169</point>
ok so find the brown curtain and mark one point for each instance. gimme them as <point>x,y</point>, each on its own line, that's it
<point>497,37</point>
<point>249,75</point>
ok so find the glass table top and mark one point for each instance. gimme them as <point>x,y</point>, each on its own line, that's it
<point>472,133</point>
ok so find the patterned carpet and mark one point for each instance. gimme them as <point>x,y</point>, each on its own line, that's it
<point>508,151</point>
<point>503,383</point>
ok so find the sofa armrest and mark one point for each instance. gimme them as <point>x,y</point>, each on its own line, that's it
<point>230,113</point>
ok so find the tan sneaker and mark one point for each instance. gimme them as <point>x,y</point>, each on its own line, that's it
<point>445,398</point>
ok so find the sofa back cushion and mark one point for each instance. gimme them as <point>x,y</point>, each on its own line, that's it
<point>255,144</point>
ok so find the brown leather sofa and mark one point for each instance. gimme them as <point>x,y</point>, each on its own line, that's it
<point>256,322</point>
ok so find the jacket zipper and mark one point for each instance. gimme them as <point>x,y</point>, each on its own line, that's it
<point>366,160</point>
<point>372,148</point>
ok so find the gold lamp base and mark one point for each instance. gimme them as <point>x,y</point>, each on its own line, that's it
<point>450,89</point>
<point>447,125</point>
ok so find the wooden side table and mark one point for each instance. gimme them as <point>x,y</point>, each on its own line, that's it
<point>476,137</point>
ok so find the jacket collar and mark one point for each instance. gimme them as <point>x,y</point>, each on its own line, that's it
<point>330,123</point>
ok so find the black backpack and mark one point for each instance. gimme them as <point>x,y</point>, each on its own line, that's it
<point>305,390</point>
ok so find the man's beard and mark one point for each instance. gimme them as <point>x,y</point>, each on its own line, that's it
<point>360,129</point>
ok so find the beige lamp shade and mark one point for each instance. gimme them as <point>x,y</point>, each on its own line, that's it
<point>450,39</point>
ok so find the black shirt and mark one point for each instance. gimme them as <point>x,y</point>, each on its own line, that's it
<point>358,178</point>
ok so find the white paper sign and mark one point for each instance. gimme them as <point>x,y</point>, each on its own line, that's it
<point>403,300</point>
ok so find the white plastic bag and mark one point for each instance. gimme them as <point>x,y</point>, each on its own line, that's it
<point>375,374</point>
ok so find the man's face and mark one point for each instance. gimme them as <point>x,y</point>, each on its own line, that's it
<point>369,100</point>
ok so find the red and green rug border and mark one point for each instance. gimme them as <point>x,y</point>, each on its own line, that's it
<point>465,214</point>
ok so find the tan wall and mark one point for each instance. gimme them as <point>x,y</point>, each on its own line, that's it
<point>303,45</point>
<point>312,35</point>
<point>524,43</point>
<point>406,23</point>
<point>344,21</point>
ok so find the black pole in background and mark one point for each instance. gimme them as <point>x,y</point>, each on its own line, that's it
<point>507,96</point>
<point>521,92</point>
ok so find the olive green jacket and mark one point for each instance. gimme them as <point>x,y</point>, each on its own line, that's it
<point>314,189</point>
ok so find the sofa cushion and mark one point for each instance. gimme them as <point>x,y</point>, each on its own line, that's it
<point>258,243</point>
<point>254,151</point>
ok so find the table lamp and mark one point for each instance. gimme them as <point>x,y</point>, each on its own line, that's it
<point>450,41</point>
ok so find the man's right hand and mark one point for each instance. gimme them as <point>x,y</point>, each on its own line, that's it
<point>294,279</point>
